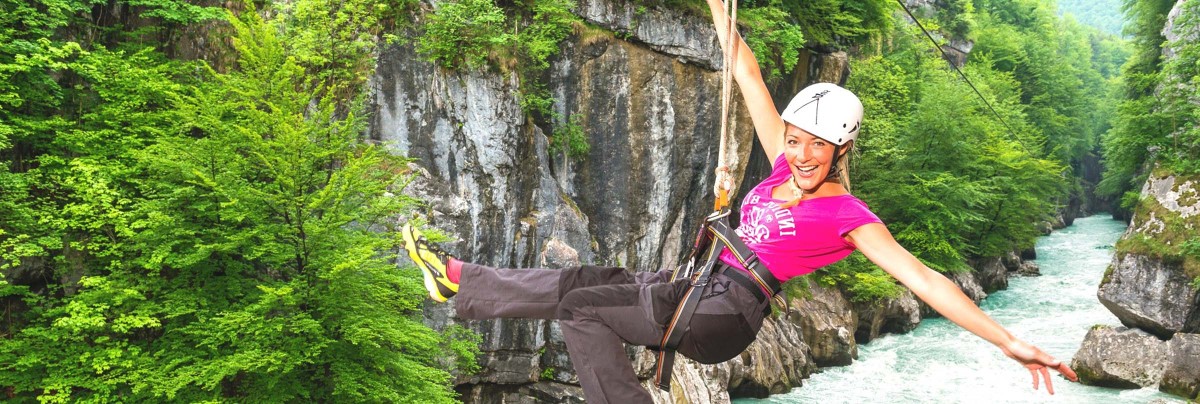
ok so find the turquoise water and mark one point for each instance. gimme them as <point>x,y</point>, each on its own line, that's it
<point>942,363</point>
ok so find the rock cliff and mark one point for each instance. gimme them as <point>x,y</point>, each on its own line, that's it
<point>1153,284</point>
<point>1152,293</point>
<point>645,85</point>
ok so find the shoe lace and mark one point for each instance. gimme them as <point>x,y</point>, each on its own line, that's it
<point>438,251</point>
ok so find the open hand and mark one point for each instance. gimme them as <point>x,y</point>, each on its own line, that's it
<point>1037,362</point>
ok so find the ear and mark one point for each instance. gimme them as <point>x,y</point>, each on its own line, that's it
<point>846,148</point>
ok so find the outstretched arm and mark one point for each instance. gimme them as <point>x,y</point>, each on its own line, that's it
<point>763,114</point>
<point>877,244</point>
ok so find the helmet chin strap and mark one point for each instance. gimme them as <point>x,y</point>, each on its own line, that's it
<point>834,172</point>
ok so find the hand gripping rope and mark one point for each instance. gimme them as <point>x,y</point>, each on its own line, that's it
<point>724,182</point>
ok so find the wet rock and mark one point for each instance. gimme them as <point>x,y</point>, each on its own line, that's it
<point>827,321</point>
<point>898,315</point>
<point>1029,268</point>
<point>990,273</point>
<point>1182,374</point>
<point>1019,262</point>
<point>1120,357</point>
<point>1150,294</point>
<point>969,284</point>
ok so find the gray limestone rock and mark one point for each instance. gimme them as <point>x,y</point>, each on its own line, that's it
<point>1120,357</point>
<point>773,364</point>
<point>968,282</point>
<point>991,273</point>
<point>1150,294</point>
<point>898,315</point>
<point>665,30</point>
<point>1182,375</point>
<point>827,321</point>
<point>1029,268</point>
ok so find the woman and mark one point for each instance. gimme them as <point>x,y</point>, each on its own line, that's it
<point>797,220</point>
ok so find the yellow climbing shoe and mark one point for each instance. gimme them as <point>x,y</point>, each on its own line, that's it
<point>432,263</point>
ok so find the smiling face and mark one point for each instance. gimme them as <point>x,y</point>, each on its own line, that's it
<point>810,159</point>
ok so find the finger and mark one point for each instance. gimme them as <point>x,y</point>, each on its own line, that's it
<point>1035,378</point>
<point>1066,371</point>
<point>1046,375</point>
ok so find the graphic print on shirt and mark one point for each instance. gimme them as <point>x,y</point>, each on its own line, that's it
<point>763,221</point>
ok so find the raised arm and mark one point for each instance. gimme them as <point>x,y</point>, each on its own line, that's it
<point>877,244</point>
<point>763,114</point>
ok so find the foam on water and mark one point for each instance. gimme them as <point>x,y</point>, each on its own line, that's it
<point>942,363</point>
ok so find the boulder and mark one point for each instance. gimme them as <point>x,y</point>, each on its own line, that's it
<point>1151,294</point>
<point>990,273</point>
<point>968,282</point>
<point>1120,357</point>
<point>1029,268</point>
<point>827,321</point>
<point>898,315</point>
<point>1182,374</point>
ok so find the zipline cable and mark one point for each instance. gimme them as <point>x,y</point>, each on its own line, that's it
<point>963,75</point>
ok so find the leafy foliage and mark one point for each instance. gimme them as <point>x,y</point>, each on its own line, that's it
<point>1104,15</point>
<point>857,275</point>
<point>775,41</point>
<point>1146,123</point>
<point>462,33</point>
<point>570,139</point>
<point>176,234</point>
<point>952,180</point>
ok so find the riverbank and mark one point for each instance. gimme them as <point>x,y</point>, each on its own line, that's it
<point>940,363</point>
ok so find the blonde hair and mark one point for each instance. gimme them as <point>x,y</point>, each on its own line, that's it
<point>843,165</point>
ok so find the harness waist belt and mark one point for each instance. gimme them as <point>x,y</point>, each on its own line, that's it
<point>741,278</point>
<point>759,272</point>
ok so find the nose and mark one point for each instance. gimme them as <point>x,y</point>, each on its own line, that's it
<point>806,152</point>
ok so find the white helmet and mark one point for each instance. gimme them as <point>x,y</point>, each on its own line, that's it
<point>827,111</point>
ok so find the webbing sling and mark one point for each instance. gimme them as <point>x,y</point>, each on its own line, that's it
<point>722,236</point>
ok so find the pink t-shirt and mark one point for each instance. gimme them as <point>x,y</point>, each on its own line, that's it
<point>798,240</point>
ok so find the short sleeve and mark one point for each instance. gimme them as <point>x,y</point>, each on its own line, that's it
<point>853,214</point>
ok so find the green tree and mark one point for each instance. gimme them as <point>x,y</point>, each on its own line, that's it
<point>183,235</point>
<point>1140,123</point>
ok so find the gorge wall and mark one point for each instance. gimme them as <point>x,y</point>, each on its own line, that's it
<point>645,84</point>
<point>1153,285</point>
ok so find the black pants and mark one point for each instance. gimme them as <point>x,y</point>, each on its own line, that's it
<point>599,308</point>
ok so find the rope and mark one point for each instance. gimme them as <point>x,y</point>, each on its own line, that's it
<point>724,182</point>
<point>964,76</point>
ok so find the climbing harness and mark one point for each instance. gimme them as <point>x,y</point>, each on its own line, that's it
<point>714,237</point>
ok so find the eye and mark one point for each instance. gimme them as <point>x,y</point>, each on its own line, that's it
<point>819,143</point>
<point>792,142</point>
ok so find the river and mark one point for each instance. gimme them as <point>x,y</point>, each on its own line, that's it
<point>942,363</point>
